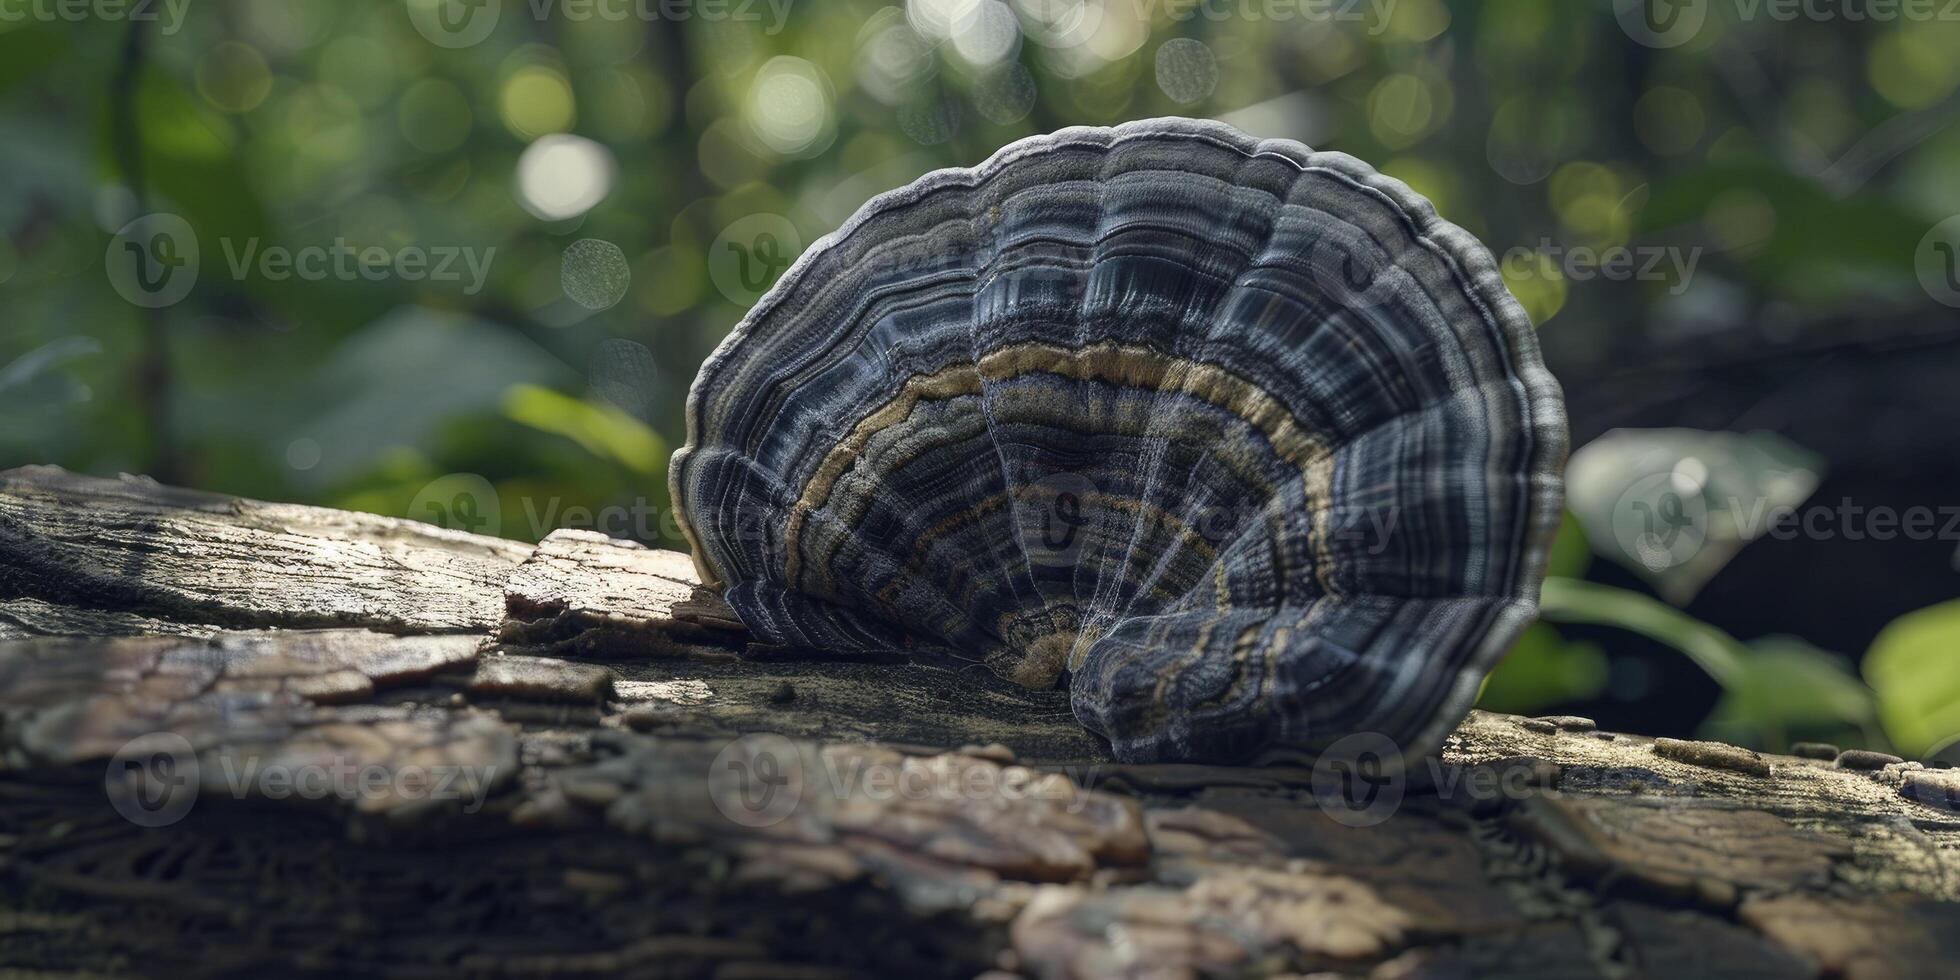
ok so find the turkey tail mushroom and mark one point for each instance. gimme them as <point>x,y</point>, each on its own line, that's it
<point>1238,438</point>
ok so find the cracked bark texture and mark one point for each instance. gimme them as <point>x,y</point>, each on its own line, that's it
<point>411,752</point>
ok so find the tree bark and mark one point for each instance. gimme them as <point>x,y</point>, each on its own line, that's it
<point>247,738</point>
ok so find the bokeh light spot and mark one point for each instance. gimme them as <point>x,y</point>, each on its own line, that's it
<point>1740,220</point>
<point>233,77</point>
<point>1914,68</point>
<point>536,100</point>
<point>1186,70</point>
<point>894,58</point>
<point>1534,278</point>
<point>789,107</point>
<point>1401,109</point>
<point>935,18</point>
<point>594,273</point>
<point>563,176</point>
<point>986,33</point>
<point>1007,96</point>
<point>1417,20</point>
<point>1589,199</point>
<point>303,454</point>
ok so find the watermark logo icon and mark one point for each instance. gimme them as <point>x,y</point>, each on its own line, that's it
<point>1937,262</point>
<point>454,23</point>
<point>1360,780</point>
<point>1056,515</point>
<point>153,779</point>
<point>757,780</point>
<point>460,502</point>
<point>750,254</point>
<point>153,261</point>
<point>1349,268</point>
<point>1661,23</point>
<point>1059,23</point>
<point>1661,520</point>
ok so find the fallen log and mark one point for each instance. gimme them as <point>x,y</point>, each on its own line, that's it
<point>242,738</point>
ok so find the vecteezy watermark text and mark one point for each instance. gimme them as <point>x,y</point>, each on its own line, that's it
<point>1361,780</point>
<point>1374,13</point>
<point>749,256</point>
<point>155,260</point>
<point>343,778</point>
<point>155,779</point>
<point>1660,526</point>
<point>1849,11</point>
<point>762,779</point>
<point>462,23</point>
<point>168,15</point>
<point>615,11</point>
<point>1057,517</point>
<point>342,261</point>
<point>1669,23</point>
<point>1619,263</point>
<point>1847,520</point>
<point>468,502</point>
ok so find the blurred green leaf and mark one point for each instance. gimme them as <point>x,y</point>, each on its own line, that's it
<point>1542,670</point>
<point>1914,665</point>
<point>28,50</point>
<point>604,430</point>
<point>1570,552</point>
<point>1819,244</point>
<point>44,358</point>
<point>29,386</point>
<point>1565,600</point>
<point>1788,691</point>
<point>42,161</point>
<point>192,160</point>
<point>395,383</point>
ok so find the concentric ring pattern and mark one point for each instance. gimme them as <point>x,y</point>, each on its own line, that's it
<point>1239,438</point>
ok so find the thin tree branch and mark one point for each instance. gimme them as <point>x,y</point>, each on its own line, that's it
<point>152,369</point>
